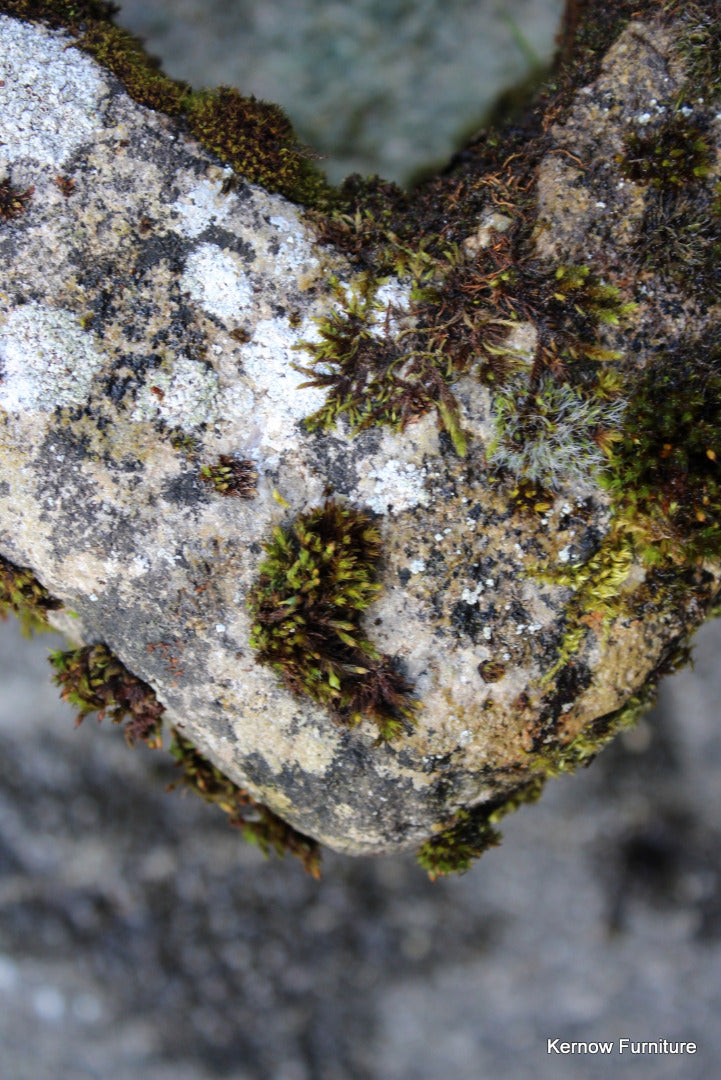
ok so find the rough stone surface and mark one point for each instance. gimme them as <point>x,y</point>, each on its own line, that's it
<point>145,308</point>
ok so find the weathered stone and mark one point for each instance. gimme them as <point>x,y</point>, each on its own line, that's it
<point>150,321</point>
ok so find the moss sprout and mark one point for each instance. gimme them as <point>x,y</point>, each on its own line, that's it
<point>13,201</point>
<point>231,476</point>
<point>93,680</point>
<point>23,595</point>
<point>259,824</point>
<point>313,587</point>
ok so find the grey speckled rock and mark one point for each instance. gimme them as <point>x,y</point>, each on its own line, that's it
<point>140,308</point>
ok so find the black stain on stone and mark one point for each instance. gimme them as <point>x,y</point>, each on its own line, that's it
<point>186,490</point>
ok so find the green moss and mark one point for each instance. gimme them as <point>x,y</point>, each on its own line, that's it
<point>60,13</point>
<point>680,240</point>
<point>456,848</point>
<point>463,312</point>
<point>597,592</point>
<point>259,824</point>
<point>257,140</point>
<point>93,680</point>
<point>23,595</point>
<point>13,201</point>
<point>124,55</point>
<point>668,157</point>
<point>376,380</point>
<point>664,471</point>
<point>313,587</point>
<point>700,45</point>
<point>584,747</point>
<point>472,832</point>
<point>231,476</point>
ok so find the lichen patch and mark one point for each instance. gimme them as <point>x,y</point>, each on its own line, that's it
<point>217,282</point>
<point>183,393</point>
<point>48,109</point>
<point>200,207</point>
<point>46,359</point>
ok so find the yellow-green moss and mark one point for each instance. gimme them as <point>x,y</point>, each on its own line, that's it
<point>458,845</point>
<point>23,595</point>
<point>317,580</point>
<point>93,680</point>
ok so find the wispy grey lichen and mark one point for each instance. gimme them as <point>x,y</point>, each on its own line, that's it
<point>550,435</point>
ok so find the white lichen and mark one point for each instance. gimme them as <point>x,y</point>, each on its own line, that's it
<point>269,397</point>
<point>46,359</point>
<point>293,252</point>
<point>183,392</point>
<point>218,282</point>
<point>391,486</point>
<point>50,96</point>
<point>203,205</point>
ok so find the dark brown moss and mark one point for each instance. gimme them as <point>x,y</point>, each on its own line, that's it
<point>13,201</point>
<point>231,476</point>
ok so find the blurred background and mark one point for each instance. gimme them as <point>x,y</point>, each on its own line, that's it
<point>140,939</point>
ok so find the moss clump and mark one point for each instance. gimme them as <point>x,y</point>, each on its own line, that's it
<point>552,434</point>
<point>13,201</point>
<point>313,587</point>
<point>372,379</point>
<point>700,45</point>
<point>23,595</point>
<point>463,314</point>
<point>256,139</point>
<point>93,680</point>
<point>231,476</point>
<point>664,470</point>
<point>681,241</point>
<point>670,157</point>
<point>56,13</point>
<point>124,55</point>
<point>456,848</point>
<point>259,824</point>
